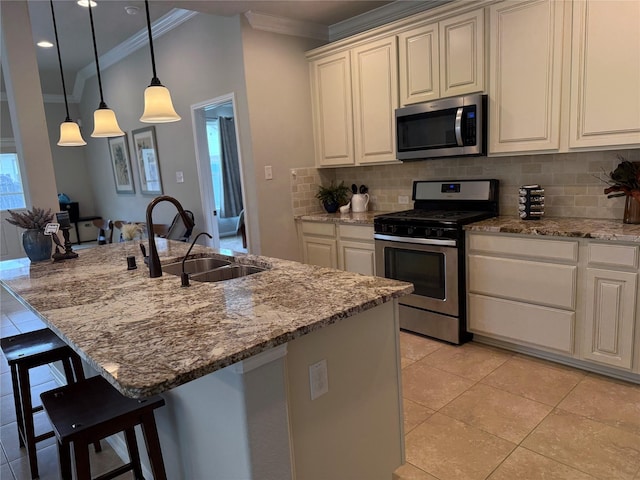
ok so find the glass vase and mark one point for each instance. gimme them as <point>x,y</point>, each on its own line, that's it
<point>631,210</point>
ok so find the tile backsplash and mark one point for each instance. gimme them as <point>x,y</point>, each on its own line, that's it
<point>571,181</point>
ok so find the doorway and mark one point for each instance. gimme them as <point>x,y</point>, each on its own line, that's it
<point>220,172</point>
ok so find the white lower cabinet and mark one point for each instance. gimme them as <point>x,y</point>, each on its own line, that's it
<point>574,298</point>
<point>347,247</point>
<point>610,305</point>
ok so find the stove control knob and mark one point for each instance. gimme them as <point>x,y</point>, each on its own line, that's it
<point>439,232</point>
<point>427,232</point>
<point>394,229</point>
<point>410,230</point>
<point>384,228</point>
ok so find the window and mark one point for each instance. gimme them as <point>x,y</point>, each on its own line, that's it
<point>11,191</point>
<point>213,137</point>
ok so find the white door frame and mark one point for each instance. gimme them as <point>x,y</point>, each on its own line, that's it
<point>204,168</point>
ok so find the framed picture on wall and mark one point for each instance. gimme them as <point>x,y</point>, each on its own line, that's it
<point>144,145</point>
<point>121,164</point>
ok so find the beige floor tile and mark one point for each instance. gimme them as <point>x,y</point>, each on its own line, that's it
<point>534,380</point>
<point>414,414</point>
<point>410,472</point>
<point>47,465</point>
<point>469,361</point>
<point>524,464</point>
<point>498,412</point>
<point>452,450</point>
<point>592,447</point>
<point>5,472</point>
<point>415,347</point>
<point>431,387</point>
<point>605,400</point>
<point>405,362</point>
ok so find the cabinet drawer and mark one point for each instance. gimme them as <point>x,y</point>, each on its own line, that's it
<point>318,228</point>
<point>522,323</point>
<point>533,282</point>
<point>356,232</point>
<point>530,247</point>
<point>613,255</point>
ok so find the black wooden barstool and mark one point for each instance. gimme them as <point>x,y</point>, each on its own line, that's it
<point>88,411</point>
<point>24,352</point>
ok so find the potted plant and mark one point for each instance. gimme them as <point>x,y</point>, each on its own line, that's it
<point>333,196</point>
<point>624,181</point>
<point>36,244</point>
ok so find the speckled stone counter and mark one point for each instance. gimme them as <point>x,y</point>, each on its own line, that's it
<point>361,218</point>
<point>148,335</point>
<point>602,229</point>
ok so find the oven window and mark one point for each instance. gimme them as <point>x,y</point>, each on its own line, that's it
<point>424,269</point>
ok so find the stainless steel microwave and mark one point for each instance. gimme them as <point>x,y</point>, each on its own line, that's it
<point>451,127</point>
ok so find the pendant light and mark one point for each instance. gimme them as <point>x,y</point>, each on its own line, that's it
<point>70,135</point>
<point>105,123</point>
<point>158,107</point>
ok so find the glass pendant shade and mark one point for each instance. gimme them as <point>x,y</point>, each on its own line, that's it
<point>105,123</point>
<point>158,107</point>
<point>70,135</point>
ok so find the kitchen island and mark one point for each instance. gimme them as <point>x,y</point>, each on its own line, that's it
<point>232,358</point>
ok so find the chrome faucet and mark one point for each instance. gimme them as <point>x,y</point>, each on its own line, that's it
<point>185,276</point>
<point>155,269</point>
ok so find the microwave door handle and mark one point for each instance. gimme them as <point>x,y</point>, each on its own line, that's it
<point>458,126</point>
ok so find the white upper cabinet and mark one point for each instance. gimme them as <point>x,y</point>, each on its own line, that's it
<point>354,96</point>
<point>375,98</point>
<point>462,54</point>
<point>525,62</point>
<point>442,59</point>
<point>419,64</point>
<point>332,109</point>
<point>605,74</point>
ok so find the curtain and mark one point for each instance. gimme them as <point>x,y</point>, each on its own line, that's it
<point>231,187</point>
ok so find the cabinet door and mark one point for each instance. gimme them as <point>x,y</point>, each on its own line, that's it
<point>419,64</point>
<point>320,251</point>
<point>375,98</point>
<point>524,76</point>
<point>358,257</point>
<point>609,317</point>
<point>332,109</point>
<point>462,54</point>
<point>605,74</point>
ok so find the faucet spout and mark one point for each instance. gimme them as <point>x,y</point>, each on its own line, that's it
<point>185,275</point>
<point>155,269</point>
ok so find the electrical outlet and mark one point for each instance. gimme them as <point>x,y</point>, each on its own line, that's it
<point>268,173</point>
<point>318,379</point>
<point>403,199</point>
<point>179,177</point>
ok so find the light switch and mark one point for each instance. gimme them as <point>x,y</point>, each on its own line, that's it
<point>268,173</point>
<point>179,177</point>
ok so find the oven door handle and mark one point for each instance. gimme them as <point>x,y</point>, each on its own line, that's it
<point>458,127</point>
<point>421,241</point>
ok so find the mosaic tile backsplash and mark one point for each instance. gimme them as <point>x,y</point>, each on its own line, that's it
<point>572,181</point>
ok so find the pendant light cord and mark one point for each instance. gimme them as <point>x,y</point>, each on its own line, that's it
<point>154,80</point>
<point>64,90</point>
<point>95,53</point>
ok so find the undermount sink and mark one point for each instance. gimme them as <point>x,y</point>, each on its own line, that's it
<point>226,273</point>
<point>195,265</point>
<point>210,269</point>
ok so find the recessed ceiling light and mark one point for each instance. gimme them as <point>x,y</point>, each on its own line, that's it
<point>44,44</point>
<point>131,10</point>
<point>85,3</point>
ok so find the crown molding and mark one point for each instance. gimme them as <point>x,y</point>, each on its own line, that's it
<point>161,26</point>
<point>287,26</point>
<point>380,16</point>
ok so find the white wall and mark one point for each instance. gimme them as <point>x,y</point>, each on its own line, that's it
<point>279,98</point>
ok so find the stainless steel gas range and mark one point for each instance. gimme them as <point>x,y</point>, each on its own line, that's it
<point>425,246</point>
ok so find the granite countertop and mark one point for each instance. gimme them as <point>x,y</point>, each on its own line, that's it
<point>360,218</point>
<point>148,335</point>
<point>602,229</point>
